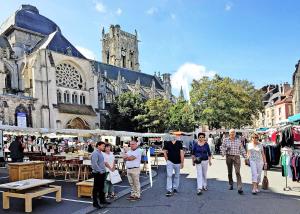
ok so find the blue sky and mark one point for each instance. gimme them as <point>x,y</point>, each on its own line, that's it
<point>255,40</point>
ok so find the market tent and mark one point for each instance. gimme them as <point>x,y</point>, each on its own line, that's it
<point>295,117</point>
<point>78,132</point>
<point>181,133</point>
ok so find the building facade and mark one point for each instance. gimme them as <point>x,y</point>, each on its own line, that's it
<point>46,82</point>
<point>278,105</point>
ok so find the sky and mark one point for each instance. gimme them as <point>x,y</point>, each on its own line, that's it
<point>257,40</point>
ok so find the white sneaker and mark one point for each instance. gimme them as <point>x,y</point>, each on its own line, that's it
<point>199,192</point>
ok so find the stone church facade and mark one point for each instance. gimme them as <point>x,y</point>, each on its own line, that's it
<point>46,82</point>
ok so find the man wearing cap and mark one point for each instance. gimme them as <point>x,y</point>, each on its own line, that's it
<point>233,148</point>
<point>173,153</point>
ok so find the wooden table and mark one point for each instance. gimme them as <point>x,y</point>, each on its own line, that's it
<point>26,170</point>
<point>28,189</point>
<point>85,188</point>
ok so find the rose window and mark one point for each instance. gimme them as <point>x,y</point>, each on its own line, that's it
<point>68,76</point>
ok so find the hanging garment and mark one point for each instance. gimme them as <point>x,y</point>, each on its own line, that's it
<point>283,165</point>
<point>296,134</point>
<point>287,137</point>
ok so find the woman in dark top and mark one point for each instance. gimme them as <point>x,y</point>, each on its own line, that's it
<point>16,150</point>
<point>201,157</point>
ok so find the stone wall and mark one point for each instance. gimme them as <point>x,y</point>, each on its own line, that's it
<point>9,105</point>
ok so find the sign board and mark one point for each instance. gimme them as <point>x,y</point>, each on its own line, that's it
<point>149,167</point>
<point>21,119</point>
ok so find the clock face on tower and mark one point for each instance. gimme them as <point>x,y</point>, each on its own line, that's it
<point>123,53</point>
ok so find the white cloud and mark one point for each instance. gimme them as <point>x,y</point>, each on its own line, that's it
<point>173,16</point>
<point>184,76</point>
<point>152,11</point>
<point>100,7</point>
<point>228,6</point>
<point>119,11</point>
<point>86,52</point>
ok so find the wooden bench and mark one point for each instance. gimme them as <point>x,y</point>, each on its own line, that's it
<point>85,188</point>
<point>29,189</point>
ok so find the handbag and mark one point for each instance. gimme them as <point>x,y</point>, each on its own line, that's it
<point>265,182</point>
<point>247,162</point>
<point>114,177</point>
<point>198,160</point>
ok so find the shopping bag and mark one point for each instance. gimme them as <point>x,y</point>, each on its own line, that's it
<point>114,177</point>
<point>265,182</point>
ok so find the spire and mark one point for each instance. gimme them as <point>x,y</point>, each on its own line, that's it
<point>181,95</point>
<point>153,90</point>
<point>119,76</point>
<point>138,82</point>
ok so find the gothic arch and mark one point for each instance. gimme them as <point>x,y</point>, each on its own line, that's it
<point>77,123</point>
<point>22,109</point>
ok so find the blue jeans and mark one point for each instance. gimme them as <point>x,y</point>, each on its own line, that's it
<point>170,183</point>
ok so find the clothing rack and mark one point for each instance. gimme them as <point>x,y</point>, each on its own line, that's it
<point>285,151</point>
<point>283,127</point>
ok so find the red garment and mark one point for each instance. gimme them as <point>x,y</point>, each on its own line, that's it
<point>273,136</point>
<point>296,134</point>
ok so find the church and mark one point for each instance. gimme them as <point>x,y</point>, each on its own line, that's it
<point>47,83</point>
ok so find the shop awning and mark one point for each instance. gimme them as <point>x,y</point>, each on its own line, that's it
<point>295,117</point>
<point>263,129</point>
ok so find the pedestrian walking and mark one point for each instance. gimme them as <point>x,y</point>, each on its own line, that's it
<point>201,156</point>
<point>257,160</point>
<point>174,155</point>
<point>233,148</point>
<point>133,162</point>
<point>211,144</point>
<point>109,160</point>
<point>98,166</point>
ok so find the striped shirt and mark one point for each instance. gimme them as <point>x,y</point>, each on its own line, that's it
<point>235,147</point>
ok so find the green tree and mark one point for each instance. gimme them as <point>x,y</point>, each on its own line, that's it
<point>181,116</point>
<point>123,111</point>
<point>156,115</point>
<point>225,102</point>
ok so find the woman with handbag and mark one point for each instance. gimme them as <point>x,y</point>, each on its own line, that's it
<point>201,156</point>
<point>257,161</point>
<point>109,160</point>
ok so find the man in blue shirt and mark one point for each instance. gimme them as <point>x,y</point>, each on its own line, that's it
<point>98,167</point>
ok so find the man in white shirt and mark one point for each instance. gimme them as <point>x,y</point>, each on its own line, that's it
<point>133,161</point>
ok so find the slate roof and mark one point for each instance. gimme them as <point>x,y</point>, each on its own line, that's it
<point>130,76</point>
<point>57,42</point>
<point>28,18</point>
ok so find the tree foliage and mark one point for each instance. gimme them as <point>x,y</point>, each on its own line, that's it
<point>225,102</point>
<point>156,115</point>
<point>181,116</point>
<point>123,111</point>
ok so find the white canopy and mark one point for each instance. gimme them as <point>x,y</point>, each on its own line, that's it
<point>77,132</point>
